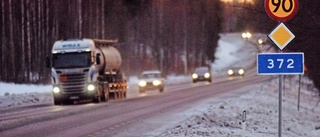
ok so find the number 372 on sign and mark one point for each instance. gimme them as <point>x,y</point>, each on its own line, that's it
<point>280,63</point>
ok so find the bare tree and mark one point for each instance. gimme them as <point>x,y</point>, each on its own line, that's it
<point>23,56</point>
<point>28,67</point>
<point>11,49</point>
<point>4,69</point>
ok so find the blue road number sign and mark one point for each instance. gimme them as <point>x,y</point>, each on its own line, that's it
<point>280,63</point>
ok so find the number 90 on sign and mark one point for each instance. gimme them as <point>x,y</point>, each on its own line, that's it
<point>281,10</point>
<point>280,63</point>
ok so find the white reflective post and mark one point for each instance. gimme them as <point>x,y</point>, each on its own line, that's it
<point>244,123</point>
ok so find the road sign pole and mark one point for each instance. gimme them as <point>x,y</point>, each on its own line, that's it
<point>280,105</point>
<point>299,92</point>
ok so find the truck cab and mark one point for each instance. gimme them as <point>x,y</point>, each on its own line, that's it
<point>86,69</point>
<point>74,71</point>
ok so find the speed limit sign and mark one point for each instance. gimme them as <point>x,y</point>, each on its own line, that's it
<point>281,10</point>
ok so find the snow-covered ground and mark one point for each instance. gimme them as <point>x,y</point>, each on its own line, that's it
<point>222,118</point>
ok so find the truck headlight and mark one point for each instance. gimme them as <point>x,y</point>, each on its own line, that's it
<point>207,75</point>
<point>194,76</point>
<point>156,82</point>
<point>90,87</point>
<point>56,89</point>
<point>142,83</point>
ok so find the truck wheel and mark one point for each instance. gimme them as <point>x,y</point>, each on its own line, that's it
<point>103,97</point>
<point>106,96</point>
<point>124,92</point>
<point>112,95</point>
<point>125,95</point>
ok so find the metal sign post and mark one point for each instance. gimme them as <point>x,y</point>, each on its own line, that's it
<point>299,92</point>
<point>280,105</point>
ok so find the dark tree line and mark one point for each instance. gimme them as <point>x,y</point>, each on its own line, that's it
<point>153,34</point>
<point>306,27</point>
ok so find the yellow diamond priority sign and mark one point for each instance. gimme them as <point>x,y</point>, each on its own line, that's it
<point>281,36</point>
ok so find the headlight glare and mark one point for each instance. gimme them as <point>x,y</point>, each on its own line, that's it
<point>56,89</point>
<point>207,75</point>
<point>142,83</point>
<point>156,82</point>
<point>90,87</point>
<point>194,76</point>
<point>230,72</point>
<point>241,71</point>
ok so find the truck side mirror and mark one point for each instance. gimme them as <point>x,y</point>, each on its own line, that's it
<point>48,63</point>
<point>98,58</point>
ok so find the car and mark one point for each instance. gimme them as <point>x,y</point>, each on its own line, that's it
<point>236,71</point>
<point>151,80</point>
<point>201,74</point>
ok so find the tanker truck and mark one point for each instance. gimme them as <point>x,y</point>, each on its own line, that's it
<point>86,69</point>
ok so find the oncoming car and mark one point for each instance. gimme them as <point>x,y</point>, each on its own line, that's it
<point>151,80</point>
<point>201,74</point>
<point>236,71</point>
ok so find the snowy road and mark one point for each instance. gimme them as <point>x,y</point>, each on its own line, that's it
<point>108,119</point>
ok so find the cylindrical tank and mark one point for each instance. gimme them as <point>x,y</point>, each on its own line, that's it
<point>110,59</point>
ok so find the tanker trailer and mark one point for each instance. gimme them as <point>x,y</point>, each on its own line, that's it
<point>85,69</point>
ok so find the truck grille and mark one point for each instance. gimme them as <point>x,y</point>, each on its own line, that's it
<point>74,83</point>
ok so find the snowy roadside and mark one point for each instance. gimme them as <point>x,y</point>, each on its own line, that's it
<point>261,105</point>
<point>33,98</point>
<point>24,94</point>
<point>14,95</point>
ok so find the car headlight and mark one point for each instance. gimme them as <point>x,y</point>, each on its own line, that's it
<point>241,71</point>
<point>90,87</point>
<point>194,76</point>
<point>207,75</point>
<point>156,82</point>
<point>56,89</point>
<point>142,83</point>
<point>230,72</point>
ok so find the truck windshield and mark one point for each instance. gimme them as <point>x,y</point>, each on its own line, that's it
<point>71,60</point>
